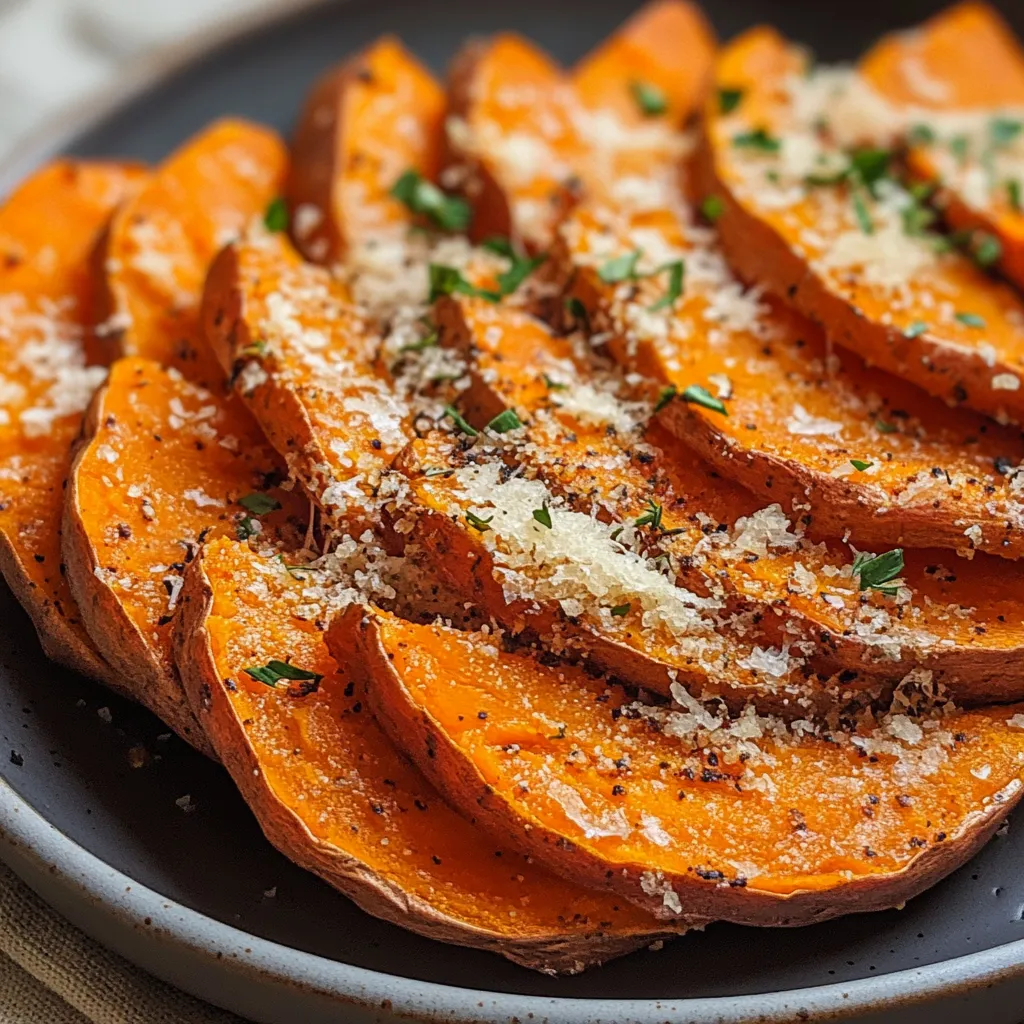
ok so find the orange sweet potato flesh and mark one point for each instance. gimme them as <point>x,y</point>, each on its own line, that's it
<point>803,590</point>
<point>385,837</point>
<point>803,829</point>
<point>161,467</point>
<point>159,246</point>
<point>970,350</point>
<point>304,362</point>
<point>968,61</point>
<point>49,374</point>
<point>363,125</point>
<point>796,413</point>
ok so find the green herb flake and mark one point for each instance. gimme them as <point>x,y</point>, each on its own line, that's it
<point>275,671</point>
<point>712,208</point>
<point>504,422</point>
<point>970,320</point>
<point>621,609</point>
<point>885,428</point>
<point>621,268</point>
<point>460,424</point>
<point>757,139</point>
<point>921,135</point>
<point>428,340</point>
<point>543,516</point>
<point>1003,130</point>
<point>257,348</point>
<point>553,385</point>
<point>1013,196</point>
<point>649,98</point>
<point>665,396</point>
<point>477,523</point>
<point>522,267</point>
<point>275,219</point>
<point>986,249</point>
<point>878,572</point>
<point>449,281</point>
<point>860,465</point>
<point>259,504</point>
<point>958,146</point>
<point>423,197</point>
<point>696,394</point>
<point>915,329</point>
<point>578,312</point>
<point>652,517</point>
<point>674,291</point>
<point>870,165</point>
<point>729,100</point>
<point>246,528</point>
<point>860,211</point>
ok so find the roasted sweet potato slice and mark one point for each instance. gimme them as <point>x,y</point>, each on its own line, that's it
<point>823,226</point>
<point>49,375</point>
<point>851,451</point>
<point>333,794</point>
<point>364,125</point>
<point>585,438</point>
<point>161,467</point>
<point>304,362</point>
<point>160,244</point>
<point>680,809</point>
<point>959,83</point>
<point>511,137</point>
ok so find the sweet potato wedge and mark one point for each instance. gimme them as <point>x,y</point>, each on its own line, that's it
<point>162,465</point>
<point>826,229</point>
<point>333,794</point>
<point>364,124</point>
<point>159,245</point>
<point>585,438</point>
<point>850,451</point>
<point>49,375</point>
<point>304,362</point>
<point>682,810</point>
<point>960,79</point>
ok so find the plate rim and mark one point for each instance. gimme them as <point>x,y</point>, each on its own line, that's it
<point>139,923</point>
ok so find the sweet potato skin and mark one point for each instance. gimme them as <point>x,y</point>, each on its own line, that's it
<point>446,885</point>
<point>947,362</point>
<point>419,682</point>
<point>157,249</point>
<point>150,480</point>
<point>45,288</point>
<point>363,125</point>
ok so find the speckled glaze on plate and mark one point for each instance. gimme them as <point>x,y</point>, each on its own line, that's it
<point>89,812</point>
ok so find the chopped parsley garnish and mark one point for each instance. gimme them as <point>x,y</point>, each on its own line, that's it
<point>712,208</point>
<point>729,100</point>
<point>986,249</point>
<point>477,523</point>
<point>921,135</point>
<point>259,504</point>
<point>649,98</point>
<point>449,281</point>
<point>543,516</point>
<point>256,348</point>
<point>578,312</point>
<point>675,285</point>
<point>970,320</point>
<point>958,147</point>
<point>246,528</point>
<point>453,414</point>
<point>418,195</point>
<point>1013,194</point>
<point>860,211</point>
<point>1003,130</point>
<point>652,517</point>
<point>504,422</point>
<point>757,139</point>
<point>553,385</point>
<point>869,165</point>
<point>696,394</point>
<point>665,396</point>
<point>860,465</point>
<point>878,572</point>
<point>276,217</point>
<point>621,268</point>
<point>885,428</point>
<point>429,340</point>
<point>917,218</point>
<point>915,330</point>
<point>621,609</point>
<point>522,266</point>
<point>274,671</point>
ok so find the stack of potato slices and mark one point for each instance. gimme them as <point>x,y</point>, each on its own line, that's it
<point>575,506</point>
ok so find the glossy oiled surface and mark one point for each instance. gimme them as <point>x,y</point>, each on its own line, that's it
<point>77,770</point>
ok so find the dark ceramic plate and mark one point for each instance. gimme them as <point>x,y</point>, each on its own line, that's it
<point>202,900</point>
